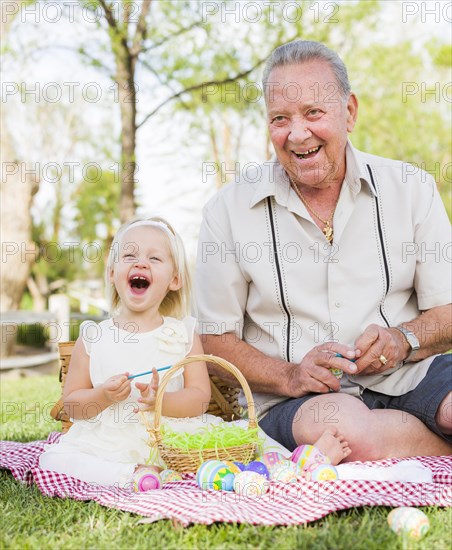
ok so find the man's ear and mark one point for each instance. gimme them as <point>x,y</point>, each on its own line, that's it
<point>176,283</point>
<point>352,112</point>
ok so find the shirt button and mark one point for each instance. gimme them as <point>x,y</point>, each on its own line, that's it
<point>337,303</point>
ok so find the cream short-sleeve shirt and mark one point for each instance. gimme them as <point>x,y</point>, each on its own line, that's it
<point>266,273</point>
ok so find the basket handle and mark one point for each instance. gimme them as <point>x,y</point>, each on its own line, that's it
<point>252,422</point>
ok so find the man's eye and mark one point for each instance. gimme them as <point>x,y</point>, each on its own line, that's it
<point>278,119</point>
<point>314,112</point>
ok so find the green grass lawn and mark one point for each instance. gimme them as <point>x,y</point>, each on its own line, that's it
<point>30,520</point>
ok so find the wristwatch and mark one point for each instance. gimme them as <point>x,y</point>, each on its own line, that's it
<point>412,340</point>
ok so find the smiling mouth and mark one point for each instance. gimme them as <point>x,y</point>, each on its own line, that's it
<point>307,154</point>
<point>139,284</point>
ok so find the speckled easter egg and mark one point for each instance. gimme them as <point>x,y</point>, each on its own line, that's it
<point>211,474</point>
<point>271,458</point>
<point>250,484</point>
<point>285,471</point>
<point>408,521</point>
<point>320,472</point>
<point>168,476</point>
<point>146,481</point>
<point>240,466</point>
<point>258,467</point>
<point>305,455</point>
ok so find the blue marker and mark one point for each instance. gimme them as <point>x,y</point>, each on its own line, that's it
<point>339,355</point>
<point>148,372</point>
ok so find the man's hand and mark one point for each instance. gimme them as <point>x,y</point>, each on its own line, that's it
<point>117,388</point>
<point>379,349</point>
<point>313,373</point>
<point>148,393</point>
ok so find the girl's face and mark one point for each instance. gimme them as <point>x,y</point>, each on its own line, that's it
<point>144,272</point>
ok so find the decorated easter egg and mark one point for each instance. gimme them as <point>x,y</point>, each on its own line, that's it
<point>271,458</point>
<point>146,480</point>
<point>408,521</point>
<point>320,472</point>
<point>234,466</point>
<point>250,484</point>
<point>258,467</point>
<point>285,471</point>
<point>305,455</point>
<point>211,474</point>
<point>227,482</point>
<point>167,476</point>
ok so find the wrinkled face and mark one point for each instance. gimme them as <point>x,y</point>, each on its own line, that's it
<point>144,272</point>
<point>308,122</point>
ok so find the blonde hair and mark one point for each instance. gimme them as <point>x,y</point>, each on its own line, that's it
<point>177,302</point>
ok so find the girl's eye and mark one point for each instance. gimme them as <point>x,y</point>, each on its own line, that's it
<point>129,257</point>
<point>155,259</point>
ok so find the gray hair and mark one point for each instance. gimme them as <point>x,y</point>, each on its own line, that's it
<point>302,51</point>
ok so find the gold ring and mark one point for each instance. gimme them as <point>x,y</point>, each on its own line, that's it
<point>383,360</point>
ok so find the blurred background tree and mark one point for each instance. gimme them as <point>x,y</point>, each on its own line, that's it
<point>188,65</point>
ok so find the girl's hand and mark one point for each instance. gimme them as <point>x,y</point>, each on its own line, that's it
<point>148,392</point>
<point>117,388</point>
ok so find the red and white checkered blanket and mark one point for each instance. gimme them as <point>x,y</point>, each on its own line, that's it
<point>284,504</point>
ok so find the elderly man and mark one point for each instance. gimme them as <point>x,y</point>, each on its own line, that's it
<point>327,260</point>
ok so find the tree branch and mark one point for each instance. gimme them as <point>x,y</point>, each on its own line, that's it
<point>109,15</point>
<point>198,87</point>
<point>171,36</point>
<point>140,31</point>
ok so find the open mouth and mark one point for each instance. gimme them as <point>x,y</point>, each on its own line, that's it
<point>307,154</point>
<point>139,284</point>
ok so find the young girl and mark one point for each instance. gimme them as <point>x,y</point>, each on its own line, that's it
<point>149,293</point>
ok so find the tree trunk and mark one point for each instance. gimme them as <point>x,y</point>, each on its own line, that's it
<point>18,250</point>
<point>125,79</point>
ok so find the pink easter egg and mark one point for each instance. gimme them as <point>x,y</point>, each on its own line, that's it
<point>305,455</point>
<point>271,458</point>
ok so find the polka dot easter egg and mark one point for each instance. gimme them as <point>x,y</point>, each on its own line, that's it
<point>408,521</point>
<point>320,472</point>
<point>146,480</point>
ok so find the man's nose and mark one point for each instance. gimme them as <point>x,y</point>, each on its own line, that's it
<point>299,132</point>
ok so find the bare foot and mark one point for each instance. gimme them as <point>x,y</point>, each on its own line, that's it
<point>333,445</point>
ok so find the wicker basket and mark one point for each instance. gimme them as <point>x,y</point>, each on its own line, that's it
<point>184,461</point>
<point>223,402</point>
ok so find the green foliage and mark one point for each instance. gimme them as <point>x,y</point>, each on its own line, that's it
<point>35,335</point>
<point>96,200</point>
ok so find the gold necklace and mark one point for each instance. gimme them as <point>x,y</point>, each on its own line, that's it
<point>328,230</point>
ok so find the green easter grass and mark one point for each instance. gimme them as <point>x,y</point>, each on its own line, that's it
<point>33,521</point>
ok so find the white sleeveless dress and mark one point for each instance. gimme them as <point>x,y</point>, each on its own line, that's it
<point>106,447</point>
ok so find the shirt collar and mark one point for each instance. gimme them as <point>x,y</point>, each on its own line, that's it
<point>275,183</point>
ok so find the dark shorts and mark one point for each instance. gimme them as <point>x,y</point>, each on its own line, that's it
<point>422,402</point>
